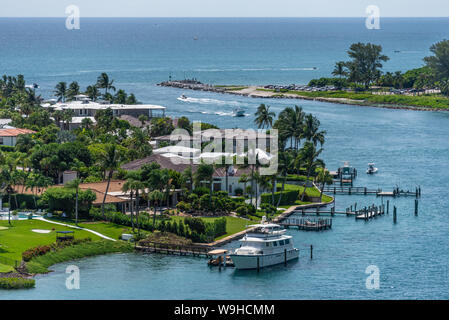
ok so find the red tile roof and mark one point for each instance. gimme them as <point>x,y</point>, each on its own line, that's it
<point>14,132</point>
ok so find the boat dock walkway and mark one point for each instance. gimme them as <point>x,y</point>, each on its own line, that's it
<point>349,190</point>
<point>307,224</point>
<point>174,249</point>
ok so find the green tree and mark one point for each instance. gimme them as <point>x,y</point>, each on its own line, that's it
<point>323,178</point>
<point>264,117</point>
<point>310,155</point>
<point>439,62</point>
<point>109,161</point>
<point>103,82</point>
<point>366,63</point>
<point>61,91</point>
<point>73,90</point>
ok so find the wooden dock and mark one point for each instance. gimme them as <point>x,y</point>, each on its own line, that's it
<point>308,224</point>
<point>370,212</point>
<point>174,249</point>
<point>349,190</point>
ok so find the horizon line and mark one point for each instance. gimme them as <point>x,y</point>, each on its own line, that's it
<point>227,17</point>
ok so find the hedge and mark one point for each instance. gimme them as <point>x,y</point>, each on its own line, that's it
<point>21,199</point>
<point>288,197</point>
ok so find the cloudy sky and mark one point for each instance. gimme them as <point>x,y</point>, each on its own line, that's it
<point>224,8</point>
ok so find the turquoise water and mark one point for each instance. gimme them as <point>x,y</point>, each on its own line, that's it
<point>410,148</point>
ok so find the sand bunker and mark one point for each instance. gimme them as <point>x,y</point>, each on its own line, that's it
<point>41,231</point>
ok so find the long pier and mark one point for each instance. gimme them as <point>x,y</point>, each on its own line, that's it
<point>307,224</point>
<point>349,190</point>
<point>174,249</point>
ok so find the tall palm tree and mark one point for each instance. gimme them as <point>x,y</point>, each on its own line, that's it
<point>284,162</point>
<point>188,177</point>
<point>128,186</point>
<point>290,125</point>
<point>311,130</point>
<point>264,117</point>
<point>73,90</point>
<point>6,183</point>
<point>92,92</point>
<point>109,161</point>
<point>156,196</point>
<point>244,179</point>
<point>61,91</point>
<point>104,83</point>
<point>310,155</point>
<point>339,69</point>
<point>75,184</point>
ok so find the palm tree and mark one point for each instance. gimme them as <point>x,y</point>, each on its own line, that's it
<point>339,69</point>
<point>244,179</point>
<point>155,196</point>
<point>324,178</point>
<point>75,183</point>
<point>104,83</point>
<point>311,130</point>
<point>188,177</point>
<point>73,90</point>
<point>284,162</point>
<point>129,186</point>
<point>205,172</point>
<point>109,161</point>
<point>7,182</point>
<point>290,125</point>
<point>310,155</point>
<point>92,92</point>
<point>264,117</point>
<point>61,91</point>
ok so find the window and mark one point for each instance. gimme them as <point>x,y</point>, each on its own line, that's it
<point>287,241</point>
<point>275,244</point>
<point>1,140</point>
<point>267,244</point>
<point>281,243</point>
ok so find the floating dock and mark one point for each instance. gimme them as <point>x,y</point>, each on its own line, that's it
<point>182,250</point>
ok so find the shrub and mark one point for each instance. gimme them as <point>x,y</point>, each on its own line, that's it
<point>183,206</point>
<point>16,283</point>
<point>288,197</point>
<point>238,191</point>
<point>200,191</point>
<point>63,199</point>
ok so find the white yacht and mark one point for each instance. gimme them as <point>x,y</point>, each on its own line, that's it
<point>264,246</point>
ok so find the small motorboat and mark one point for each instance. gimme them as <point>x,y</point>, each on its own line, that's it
<point>239,112</point>
<point>183,97</point>
<point>371,169</point>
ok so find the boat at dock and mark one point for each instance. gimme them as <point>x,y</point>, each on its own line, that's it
<point>371,169</point>
<point>265,245</point>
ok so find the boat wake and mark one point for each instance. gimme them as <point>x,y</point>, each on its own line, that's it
<point>212,101</point>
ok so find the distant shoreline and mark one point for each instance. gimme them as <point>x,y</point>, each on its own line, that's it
<point>261,92</point>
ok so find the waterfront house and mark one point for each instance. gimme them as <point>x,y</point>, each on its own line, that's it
<point>83,107</point>
<point>8,137</point>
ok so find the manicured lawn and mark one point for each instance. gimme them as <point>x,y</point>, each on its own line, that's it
<point>19,237</point>
<point>5,268</point>
<point>233,224</point>
<point>310,192</point>
<point>108,229</point>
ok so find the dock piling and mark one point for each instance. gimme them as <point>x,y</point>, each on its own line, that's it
<point>311,252</point>
<point>394,214</point>
<point>416,207</point>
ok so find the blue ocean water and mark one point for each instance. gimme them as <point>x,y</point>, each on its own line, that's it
<point>410,148</point>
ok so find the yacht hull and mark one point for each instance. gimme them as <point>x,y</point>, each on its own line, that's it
<point>244,262</point>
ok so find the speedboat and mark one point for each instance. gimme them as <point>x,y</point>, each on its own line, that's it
<point>239,112</point>
<point>265,245</point>
<point>183,97</point>
<point>371,169</point>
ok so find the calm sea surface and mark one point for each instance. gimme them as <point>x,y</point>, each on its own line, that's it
<point>409,147</point>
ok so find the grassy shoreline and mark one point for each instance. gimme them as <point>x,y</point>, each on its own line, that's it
<point>40,264</point>
<point>427,102</point>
